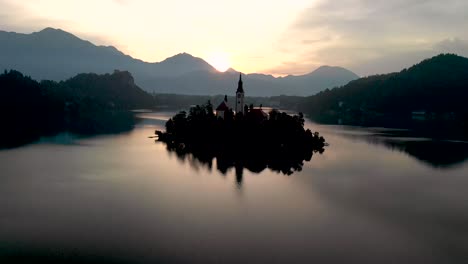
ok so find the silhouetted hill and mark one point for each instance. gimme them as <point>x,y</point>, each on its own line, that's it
<point>436,88</point>
<point>117,90</point>
<point>85,104</point>
<point>57,55</point>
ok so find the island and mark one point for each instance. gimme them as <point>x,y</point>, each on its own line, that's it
<point>246,137</point>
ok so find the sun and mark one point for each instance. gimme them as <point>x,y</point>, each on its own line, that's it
<point>220,61</point>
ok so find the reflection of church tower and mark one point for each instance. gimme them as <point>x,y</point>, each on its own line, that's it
<point>240,96</point>
<point>239,175</point>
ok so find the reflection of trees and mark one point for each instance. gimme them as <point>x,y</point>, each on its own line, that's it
<point>254,141</point>
<point>440,154</point>
<point>436,153</point>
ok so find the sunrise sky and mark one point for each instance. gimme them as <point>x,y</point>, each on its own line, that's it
<point>268,36</point>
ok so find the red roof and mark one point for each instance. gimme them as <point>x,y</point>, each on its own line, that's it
<point>258,113</point>
<point>222,107</point>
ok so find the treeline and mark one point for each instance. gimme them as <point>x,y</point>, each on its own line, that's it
<point>85,104</point>
<point>435,90</point>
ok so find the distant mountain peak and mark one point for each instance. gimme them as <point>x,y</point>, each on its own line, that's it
<point>328,68</point>
<point>53,31</point>
<point>57,34</point>
<point>333,70</point>
<point>231,70</point>
<point>325,67</point>
<point>188,61</point>
<point>50,29</point>
<point>181,55</point>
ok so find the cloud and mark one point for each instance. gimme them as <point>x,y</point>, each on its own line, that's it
<point>376,36</point>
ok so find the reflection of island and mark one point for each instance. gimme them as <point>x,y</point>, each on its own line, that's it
<point>284,160</point>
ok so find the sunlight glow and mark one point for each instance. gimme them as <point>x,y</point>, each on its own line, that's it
<point>219,60</point>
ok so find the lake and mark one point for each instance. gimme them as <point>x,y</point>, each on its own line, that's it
<point>374,196</point>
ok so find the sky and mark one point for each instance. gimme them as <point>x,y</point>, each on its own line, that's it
<point>278,37</point>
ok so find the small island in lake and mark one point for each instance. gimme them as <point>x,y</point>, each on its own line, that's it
<point>246,137</point>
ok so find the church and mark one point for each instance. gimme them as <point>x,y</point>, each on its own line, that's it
<point>223,110</point>
<point>240,107</point>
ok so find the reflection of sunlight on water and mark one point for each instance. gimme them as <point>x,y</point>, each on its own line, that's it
<point>164,116</point>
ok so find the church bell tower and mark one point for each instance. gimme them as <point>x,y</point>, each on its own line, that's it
<point>240,96</point>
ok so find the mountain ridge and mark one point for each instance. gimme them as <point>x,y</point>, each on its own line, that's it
<point>56,54</point>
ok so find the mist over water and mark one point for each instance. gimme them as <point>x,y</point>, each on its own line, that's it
<point>369,198</point>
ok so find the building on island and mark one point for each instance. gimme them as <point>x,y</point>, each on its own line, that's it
<point>223,108</point>
<point>240,96</point>
<point>240,106</point>
<point>258,114</point>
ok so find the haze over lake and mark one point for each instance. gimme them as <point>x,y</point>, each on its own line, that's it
<point>370,197</point>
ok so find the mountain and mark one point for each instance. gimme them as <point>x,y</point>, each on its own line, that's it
<point>436,89</point>
<point>322,78</point>
<point>212,83</point>
<point>57,55</point>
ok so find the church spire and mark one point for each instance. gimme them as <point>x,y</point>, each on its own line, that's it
<point>240,86</point>
<point>240,96</point>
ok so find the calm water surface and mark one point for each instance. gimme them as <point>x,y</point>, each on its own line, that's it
<point>370,197</point>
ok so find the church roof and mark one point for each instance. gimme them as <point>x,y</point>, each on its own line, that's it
<point>222,107</point>
<point>258,113</point>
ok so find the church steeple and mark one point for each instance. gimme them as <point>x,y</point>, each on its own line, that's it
<point>240,96</point>
<point>240,86</point>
